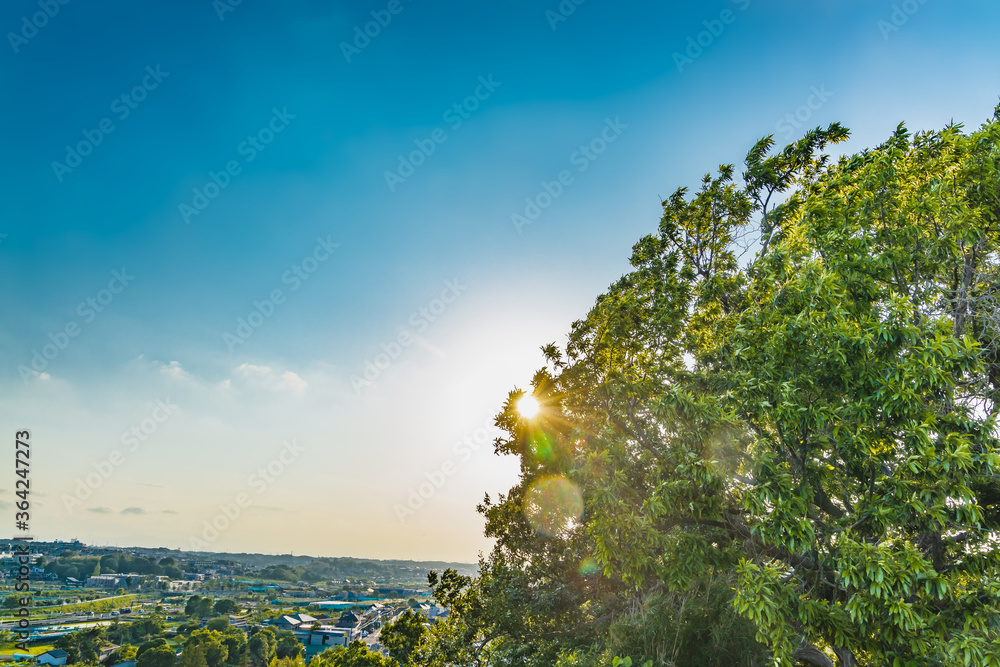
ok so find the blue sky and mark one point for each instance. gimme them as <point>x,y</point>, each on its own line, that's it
<point>271,82</point>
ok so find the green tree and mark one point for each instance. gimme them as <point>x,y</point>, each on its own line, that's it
<point>211,645</point>
<point>220,623</point>
<point>151,644</point>
<point>158,656</point>
<point>83,645</point>
<point>126,652</point>
<point>356,654</point>
<point>403,636</point>
<point>261,648</point>
<point>193,656</point>
<point>68,643</point>
<point>226,606</point>
<point>297,661</point>
<point>146,628</point>
<point>287,645</point>
<point>198,606</point>
<point>191,608</point>
<point>236,643</point>
<point>814,429</point>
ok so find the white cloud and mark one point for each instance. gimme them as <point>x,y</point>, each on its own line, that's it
<point>292,382</point>
<point>173,369</point>
<point>253,369</point>
<point>264,377</point>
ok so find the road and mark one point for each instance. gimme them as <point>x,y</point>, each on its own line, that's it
<point>373,637</point>
<point>78,620</point>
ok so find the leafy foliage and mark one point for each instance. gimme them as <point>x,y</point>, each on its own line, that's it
<point>356,654</point>
<point>158,656</point>
<point>198,606</point>
<point>800,447</point>
<point>403,636</point>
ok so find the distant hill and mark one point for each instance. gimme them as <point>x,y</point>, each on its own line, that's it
<point>281,567</point>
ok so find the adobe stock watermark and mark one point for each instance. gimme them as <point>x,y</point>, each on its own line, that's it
<point>562,13</point>
<point>37,21</point>
<point>294,277</point>
<point>223,7</point>
<point>434,480</point>
<point>454,116</point>
<point>792,122</point>
<point>381,18</point>
<point>88,310</point>
<point>420,320</point>
<point>249,149</point>
<point>899,17</point>
<point>259,482</point>
<point>131,439</point>
<point>122,107</point>
<point>697,44</point>
<point>581,158</point>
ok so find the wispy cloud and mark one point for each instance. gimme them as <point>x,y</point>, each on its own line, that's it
<point>265,377</point>
<point>173,369</point>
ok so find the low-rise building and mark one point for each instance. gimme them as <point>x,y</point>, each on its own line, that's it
<point>348,620</point>
<point>292,622</point>
<point>56,656</point>
<point>105,581</point>
<point>325,636</point>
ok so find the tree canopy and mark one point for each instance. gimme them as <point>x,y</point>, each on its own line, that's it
<point>355,654</point>
<point>774,440</point>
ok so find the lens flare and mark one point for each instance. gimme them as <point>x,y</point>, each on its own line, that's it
<point>589,568</point>
<point>541,447</point>
<point>528,406</point>
<point>553,505</point>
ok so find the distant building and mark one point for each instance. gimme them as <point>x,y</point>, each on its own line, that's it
<point>56,656</point>
<point>432,612</point>
<point>348,620</point>
<point>293,622</point>
<point>105,581</point>
<point>325,636</point>
<point>182,585</point>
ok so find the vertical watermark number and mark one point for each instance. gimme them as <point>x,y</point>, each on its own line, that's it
<point>22,468</point>
<point>22,518</point>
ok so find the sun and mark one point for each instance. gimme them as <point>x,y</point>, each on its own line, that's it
<point>528,406</point>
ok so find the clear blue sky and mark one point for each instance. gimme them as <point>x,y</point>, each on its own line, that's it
<point>308,129</point>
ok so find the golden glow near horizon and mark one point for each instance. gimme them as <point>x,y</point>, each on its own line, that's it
<point>528,406</point>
